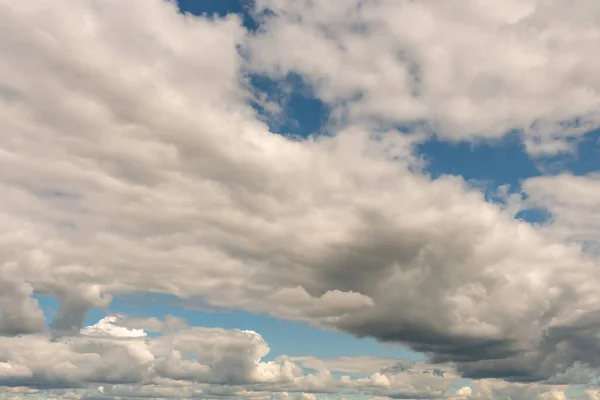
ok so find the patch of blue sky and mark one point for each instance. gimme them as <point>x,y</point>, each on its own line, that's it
<point>487,165</point>
<point>289,106</point>
<point>49,306</point>
<point>284,337</point>
<point>584,160</point>
<point>534,215</point>
<point>220,8</point>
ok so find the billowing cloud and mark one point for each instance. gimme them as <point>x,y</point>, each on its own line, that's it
<point>134,163</point>
<point>190,362</point>
<point>108,326</point>
<point>464,69</point>
<point>108,354</point>
<point>19,313</point>
<point>199,363</point>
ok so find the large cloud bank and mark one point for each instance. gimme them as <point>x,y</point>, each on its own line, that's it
<point>133,162</point>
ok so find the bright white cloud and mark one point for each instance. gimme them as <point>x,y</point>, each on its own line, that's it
<point>467,69</point>
<point>107,327</point>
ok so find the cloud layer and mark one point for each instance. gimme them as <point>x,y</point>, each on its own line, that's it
<point>132,162</point>
<point>108,361</point>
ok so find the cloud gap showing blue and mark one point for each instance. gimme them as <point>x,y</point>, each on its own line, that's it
<point>220,8</point>
<point>284,337</point>
<point>300,112</point>
<point>491,164</point>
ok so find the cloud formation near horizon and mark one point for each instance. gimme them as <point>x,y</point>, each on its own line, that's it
<point>133,162</point>
<point>108,360</point>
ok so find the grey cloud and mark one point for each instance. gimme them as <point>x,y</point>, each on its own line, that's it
<point>74,306</point>
<point>19,313</point>
<point>416,380</point>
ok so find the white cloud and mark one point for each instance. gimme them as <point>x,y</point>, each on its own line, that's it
<point>573,203</point>
<point>469,69</point>
<point>109,355</point>
<point>83,363</point>
<point>193,362</point>
<point>107,327</point>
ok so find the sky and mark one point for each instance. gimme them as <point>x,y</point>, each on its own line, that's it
<point>299,199</point>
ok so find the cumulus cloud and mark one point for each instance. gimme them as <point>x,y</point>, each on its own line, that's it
<point>111,362</point>
<point>19,313</point>
<point>109,354</point>
<point>134,163</point>
<point>573,203</point>
<point>108,327</point>
<point>466,70</point>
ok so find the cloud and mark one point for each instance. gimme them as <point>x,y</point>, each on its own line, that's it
<point>467,70</point>
<point>109,354</point>
<point>297,303</point>
<point>108,327</point>
<point>135,164</point>
<point>194,362</point>
<point>198,363</point>
<point>493,389</point>
<point>573,203</point>
<point>350,365</point>
<point>19,313</point>
<point>36,361</point>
